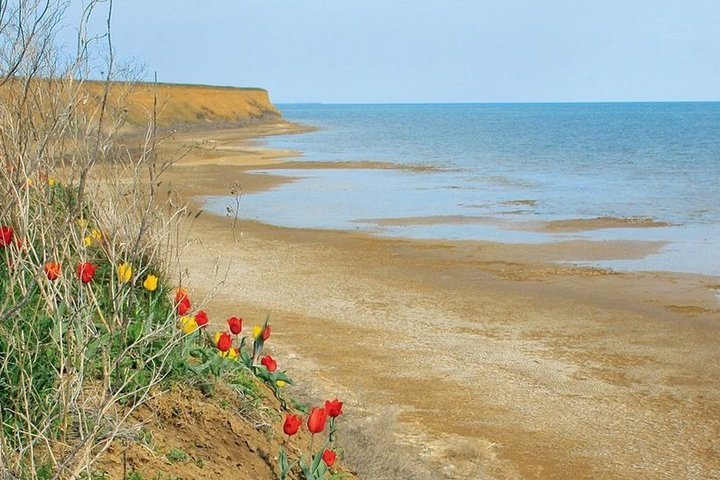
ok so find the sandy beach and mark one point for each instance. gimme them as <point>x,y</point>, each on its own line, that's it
<point>492,361</point>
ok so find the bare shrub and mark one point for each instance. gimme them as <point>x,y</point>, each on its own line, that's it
<point>76,359</point>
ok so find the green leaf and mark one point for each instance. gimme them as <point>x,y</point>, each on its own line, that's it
<point>284,464</point>
<point>318,457</point>
<point>339,475</point>
<point>306,471</point>
<point>246,359</point>
<point>134,332</point>
<point>282,376</point>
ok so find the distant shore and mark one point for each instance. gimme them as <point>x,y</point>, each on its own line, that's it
<point>496,361</point>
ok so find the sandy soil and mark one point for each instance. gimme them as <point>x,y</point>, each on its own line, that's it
<point>498,363</point>
<point>222,436</point>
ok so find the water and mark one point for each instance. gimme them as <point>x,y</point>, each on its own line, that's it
<point>510,164</point>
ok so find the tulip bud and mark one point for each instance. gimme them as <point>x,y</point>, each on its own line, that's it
<point>180,295</point>
<point>151,283</point>
<point>52,271</point>
<point>333,408</point>
<point>224,342</point>
<point>266,333</point>
<point>291,425</point>
<point>329,457</point>
<point>257,330</point>
<point>316,420</point>
<point>86,272</point>
<point>184,306</point>
<point>269,363</point>
<point>6,235</point>
<point>235,325</point>
<point>201,318</point>
<point>124,272</point>
<point>95,237</point>
<point>182,301</point>
<point>188,324</point>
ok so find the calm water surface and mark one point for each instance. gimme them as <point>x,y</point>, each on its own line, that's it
<point>514,163</point>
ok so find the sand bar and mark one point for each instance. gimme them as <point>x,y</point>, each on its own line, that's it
<point>553,226</point>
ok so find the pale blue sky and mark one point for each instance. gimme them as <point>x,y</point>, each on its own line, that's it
<point>431,50</point>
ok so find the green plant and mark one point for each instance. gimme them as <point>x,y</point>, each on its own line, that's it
<point>88,327</point>
<point>146,438</point>
<point>175,455</point>
<point>318,464</point>
<point>77,355</point>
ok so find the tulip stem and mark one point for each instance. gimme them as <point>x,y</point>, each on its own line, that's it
<point>312,438</point>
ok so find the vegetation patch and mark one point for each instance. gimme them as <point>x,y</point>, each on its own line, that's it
<point>107,369</point>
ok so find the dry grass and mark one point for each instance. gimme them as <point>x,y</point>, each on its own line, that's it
<point>373,450</point>
<point>76,359</point>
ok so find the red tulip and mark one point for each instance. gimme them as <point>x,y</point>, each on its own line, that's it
<point>182,301</point>
<point>266,333</point>
<point>269,363</point>
<point>235,325</point>
<point>86,272</point>
<point>180,295</point>
<point>334,408</point>
<point>316,420</point>
<point>52,271</point>
<point>224,341</point>
<point>201,318</point>
<point>291,425</point>
<point>183,306</point>
<point>329,457</point>
<point>6,235</point>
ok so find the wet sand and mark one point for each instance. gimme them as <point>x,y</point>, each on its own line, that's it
<point>586,224</point>
<point>553,226</point>
<point>499,363</point>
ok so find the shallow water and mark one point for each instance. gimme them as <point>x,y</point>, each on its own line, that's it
<point>512,163</point>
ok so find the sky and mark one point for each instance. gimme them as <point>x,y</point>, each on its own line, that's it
<point>416,51</point>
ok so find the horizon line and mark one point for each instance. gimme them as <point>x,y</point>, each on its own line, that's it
<point>570,102</point>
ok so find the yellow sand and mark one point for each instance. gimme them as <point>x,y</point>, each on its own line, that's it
<point>499,363</point>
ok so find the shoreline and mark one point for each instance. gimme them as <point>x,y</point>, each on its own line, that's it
<point>304,187</point>
<point>543,355</point>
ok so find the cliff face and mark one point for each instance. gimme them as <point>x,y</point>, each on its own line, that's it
<point>188,104</point>
<point>132,103</point>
